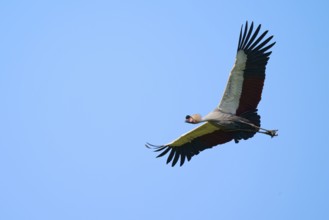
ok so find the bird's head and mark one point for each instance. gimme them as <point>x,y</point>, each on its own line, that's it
<point>193,119</point>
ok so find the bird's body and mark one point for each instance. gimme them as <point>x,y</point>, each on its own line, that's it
<point>224,121</point>
<point>236,116</point>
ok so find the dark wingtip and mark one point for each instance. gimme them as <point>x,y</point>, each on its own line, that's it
<point>152,146</point>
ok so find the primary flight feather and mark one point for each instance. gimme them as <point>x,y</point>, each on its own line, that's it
<point>236,116</point>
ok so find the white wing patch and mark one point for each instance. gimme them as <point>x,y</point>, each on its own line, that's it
<point>231,97</point>
<point>206,128</point>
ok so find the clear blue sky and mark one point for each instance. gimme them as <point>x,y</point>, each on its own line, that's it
<point>84,84</point>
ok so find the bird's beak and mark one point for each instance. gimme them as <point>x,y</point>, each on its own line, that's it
<point>189,120</point>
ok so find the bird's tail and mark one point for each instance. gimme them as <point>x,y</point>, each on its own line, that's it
<point>248,127</point>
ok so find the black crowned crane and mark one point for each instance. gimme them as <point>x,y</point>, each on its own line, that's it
<point>235,118</point>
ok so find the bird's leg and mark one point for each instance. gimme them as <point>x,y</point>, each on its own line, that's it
<point>272,133</point>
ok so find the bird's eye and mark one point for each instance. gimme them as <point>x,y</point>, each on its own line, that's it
<point>187,117</point>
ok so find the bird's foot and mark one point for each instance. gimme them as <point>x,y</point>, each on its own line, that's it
<point>272,133</point>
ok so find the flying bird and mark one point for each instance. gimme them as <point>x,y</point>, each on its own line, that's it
<point>235,117</point>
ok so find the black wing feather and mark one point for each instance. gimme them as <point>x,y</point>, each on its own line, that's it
<point>253,36</point>
<point>164,152</point>
<point>244,34</point>
<point>248,35</point>
<point>171,155</point>
<point>177,155</point>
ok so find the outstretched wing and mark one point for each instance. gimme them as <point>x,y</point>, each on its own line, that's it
<point>193,142</point>
<point>245,84</point>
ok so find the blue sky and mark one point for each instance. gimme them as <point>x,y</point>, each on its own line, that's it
<point>85,84</point>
